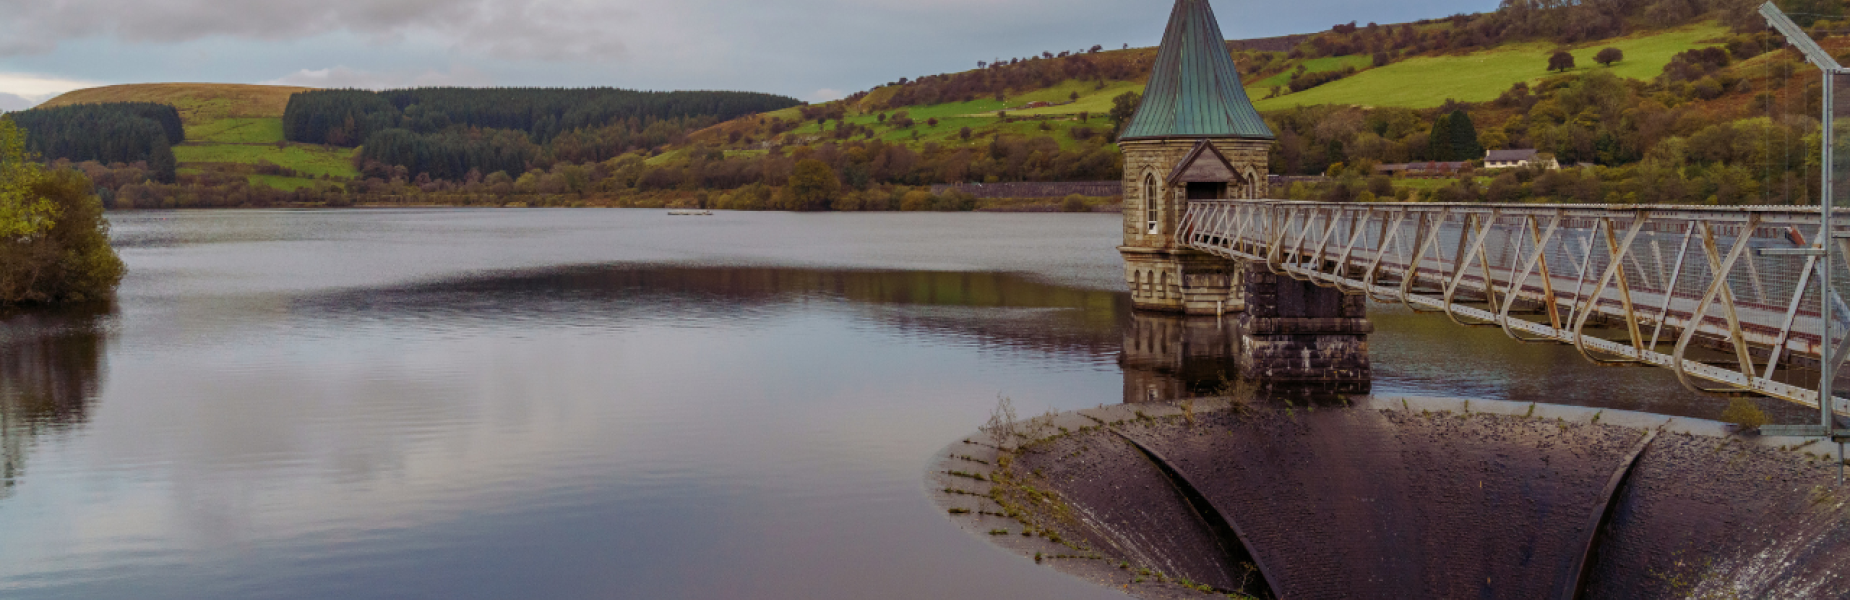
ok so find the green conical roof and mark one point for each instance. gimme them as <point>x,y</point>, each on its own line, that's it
<point>1195,90</point>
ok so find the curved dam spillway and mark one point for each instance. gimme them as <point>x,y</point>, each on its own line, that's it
<point>1406,499</point>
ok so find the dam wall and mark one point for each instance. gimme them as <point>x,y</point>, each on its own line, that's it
<point>1433,499</point>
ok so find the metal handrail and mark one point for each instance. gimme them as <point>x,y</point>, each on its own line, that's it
<point>1617,270</point>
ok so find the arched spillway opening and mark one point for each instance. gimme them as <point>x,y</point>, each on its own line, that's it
<point>1407,498</point>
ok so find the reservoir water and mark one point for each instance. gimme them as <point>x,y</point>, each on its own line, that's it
<point>593,404</point>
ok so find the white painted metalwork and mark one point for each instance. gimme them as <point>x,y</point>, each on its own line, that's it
<point>1718,295</point>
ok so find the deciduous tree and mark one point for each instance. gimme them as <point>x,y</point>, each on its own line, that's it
<point>1609,56</point>
<point>1123,108</point>
<point>813,186</point>
<point>22,214</point>
<point>1561,61</point>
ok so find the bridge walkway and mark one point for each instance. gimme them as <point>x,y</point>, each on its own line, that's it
<point>1560,273</point>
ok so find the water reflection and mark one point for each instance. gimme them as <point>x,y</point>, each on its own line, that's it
<point>991,309</point>
<point>51,365</point>
<point>1169,357</point>
<point>389,404</point>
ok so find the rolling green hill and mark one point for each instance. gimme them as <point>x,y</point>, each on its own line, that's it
<point>1425,81</point>
<point>1428,81</point>
<point>230,129</point>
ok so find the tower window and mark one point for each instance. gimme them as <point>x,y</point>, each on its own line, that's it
<point>1150,200</point>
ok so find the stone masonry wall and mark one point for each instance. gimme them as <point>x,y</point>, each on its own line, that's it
<point>1162,275</point>
<point>1159,157</point>
<point>1294,331</point>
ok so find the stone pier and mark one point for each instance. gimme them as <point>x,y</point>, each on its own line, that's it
<point>1295,332</point>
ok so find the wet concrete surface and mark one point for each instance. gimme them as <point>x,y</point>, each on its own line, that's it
<point>1416,498</point>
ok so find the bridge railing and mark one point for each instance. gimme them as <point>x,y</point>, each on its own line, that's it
<point>1725,297</point>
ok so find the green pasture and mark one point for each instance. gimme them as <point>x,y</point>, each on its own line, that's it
<point>1315,65</point>
<point>304,158</point>
<point>1091,100</point>
<point>287,184</point>
<point>237,131</point>
<point>1427,81</point>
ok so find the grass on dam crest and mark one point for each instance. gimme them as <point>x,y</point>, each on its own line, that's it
<point>1428,81</point>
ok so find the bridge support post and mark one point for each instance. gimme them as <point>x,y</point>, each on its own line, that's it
<point>1295,332</point>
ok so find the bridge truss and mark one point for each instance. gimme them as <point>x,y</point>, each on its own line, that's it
<point>1728,298</point>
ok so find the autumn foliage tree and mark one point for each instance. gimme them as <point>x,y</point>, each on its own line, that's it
<point>1561,61</point>
<point>813,186</point>
<point>51,225</point>
<point>1123,108</point>
<point>1609,56</point>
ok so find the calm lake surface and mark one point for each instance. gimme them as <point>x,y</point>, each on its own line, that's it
<point>593,404</point>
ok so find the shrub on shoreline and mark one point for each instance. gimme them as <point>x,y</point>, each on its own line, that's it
<point>54,242</point>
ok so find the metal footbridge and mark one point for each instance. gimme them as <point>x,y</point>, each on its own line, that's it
<point>1728,298</point>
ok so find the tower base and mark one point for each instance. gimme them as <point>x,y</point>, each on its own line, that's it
<point>1182,281</point>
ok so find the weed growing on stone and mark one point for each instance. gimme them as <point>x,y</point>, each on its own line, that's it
<point>967,475</point>
<point>967,458</point>
<point>1744,414</point>
<point>960,511</point>
<point>1001,426</point>
<point>1188,411</point>
<point>998,531</point>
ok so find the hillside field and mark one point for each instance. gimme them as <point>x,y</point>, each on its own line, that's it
<point>1418,82</point>
<point>229,127</point>
<point>1428,81</point>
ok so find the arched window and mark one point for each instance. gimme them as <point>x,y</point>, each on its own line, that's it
<point>1150,204</point>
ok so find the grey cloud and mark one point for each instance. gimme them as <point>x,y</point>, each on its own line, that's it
<point>344,77</point>
<point>515,29</point>
<point>10,102</point>
<point>805,48</point>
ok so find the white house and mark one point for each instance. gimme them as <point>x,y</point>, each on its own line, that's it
<point>1508,159</point>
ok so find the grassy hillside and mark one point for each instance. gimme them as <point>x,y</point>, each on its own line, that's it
<point>1417,82</point>
<point>1428,81</point>
<point>230,129</point>
<point>197,102</point>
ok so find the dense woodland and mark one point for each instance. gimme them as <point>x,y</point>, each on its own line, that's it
<point>128,132</point>
<point>448,133</point>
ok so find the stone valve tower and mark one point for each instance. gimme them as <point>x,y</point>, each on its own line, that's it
<point>1197,137</point>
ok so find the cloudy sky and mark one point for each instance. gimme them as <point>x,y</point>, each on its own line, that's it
<point>810,49</point>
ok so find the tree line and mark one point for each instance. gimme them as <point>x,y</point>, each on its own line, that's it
<point>451,132</point>
<point>124,132</point>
